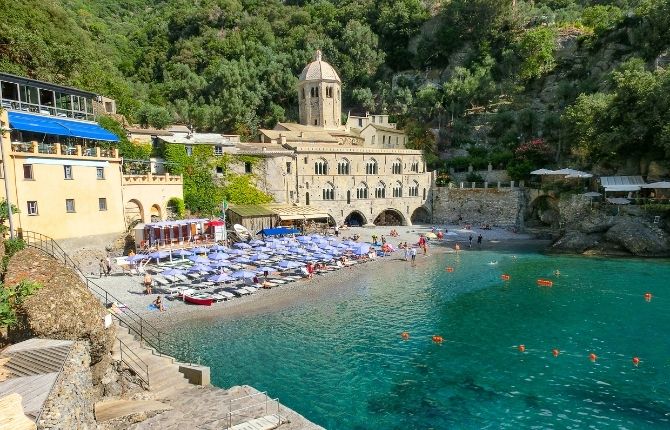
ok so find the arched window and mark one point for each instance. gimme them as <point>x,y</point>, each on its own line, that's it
<point>311,92</point>
<point>414,167</point>
<point>343,167</point>
<point>396,168</point>
<point>316,91</point>
<point>380,191</point>
<point>362,191</point>
<point>303,93</point>
<point>321,167</point>
<point>397,189</point>
<point>414,189</point>
<point>371,167</point>
<point>348,197</point>
<point>306,199</point>
<point>328,191</point>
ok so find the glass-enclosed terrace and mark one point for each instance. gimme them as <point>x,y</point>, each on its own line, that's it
<point>29,95</point>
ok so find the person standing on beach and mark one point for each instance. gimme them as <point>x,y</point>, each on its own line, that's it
<point>479,240</point>
<point>470,240</point>
<point>337,231</point>
<point>108,266</point>
<point>407,253</point>
<point>413,253</point>
<point>147,283</point>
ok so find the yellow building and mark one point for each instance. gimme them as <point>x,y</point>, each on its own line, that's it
<point>63,171</point>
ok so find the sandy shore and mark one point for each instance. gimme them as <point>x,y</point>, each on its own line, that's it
<point>128,289</point>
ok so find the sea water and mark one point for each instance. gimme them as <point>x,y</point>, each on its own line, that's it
<point>341,362</point>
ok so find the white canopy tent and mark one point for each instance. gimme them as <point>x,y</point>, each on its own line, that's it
<point>621,183</point>
<point>657,185</point>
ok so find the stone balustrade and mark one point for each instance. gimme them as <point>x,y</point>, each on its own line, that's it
<point>63,149</point>
<point>150,179</point>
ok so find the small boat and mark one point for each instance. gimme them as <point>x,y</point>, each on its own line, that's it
<point>204,301</point>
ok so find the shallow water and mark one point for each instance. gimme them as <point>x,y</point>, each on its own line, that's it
<point>341,362</point>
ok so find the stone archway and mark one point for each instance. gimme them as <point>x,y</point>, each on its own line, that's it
<point>390,217</point>
<point>421,215</point>
<point>355,219</point>
<point>134,212</point>
<point>156,213</point>
<point>543,211</point>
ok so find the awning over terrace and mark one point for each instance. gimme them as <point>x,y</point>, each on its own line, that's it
<point>59,126</point>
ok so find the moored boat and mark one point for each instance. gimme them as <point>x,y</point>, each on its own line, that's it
<point>203,301</point>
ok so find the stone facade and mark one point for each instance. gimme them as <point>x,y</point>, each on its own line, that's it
<point>502,207</point>
<point>70,403</point>
<point>376,131</point>
<point>319,95</point>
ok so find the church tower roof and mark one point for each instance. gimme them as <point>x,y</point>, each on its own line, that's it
<point>319,70</point>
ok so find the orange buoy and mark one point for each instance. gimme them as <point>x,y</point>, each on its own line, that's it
<point>555,352</point>
<point>505,277</point>
<point>404,335</point>
<point>636,361</point>
<point>450,269</point>
<point>545,283</point>
<point>437,339</point>
<point>522,348</point>
<point>593,357</point>
<point>647,297</point>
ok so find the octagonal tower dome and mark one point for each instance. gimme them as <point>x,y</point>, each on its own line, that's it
<point>319,95</point>
<point>319,70</point>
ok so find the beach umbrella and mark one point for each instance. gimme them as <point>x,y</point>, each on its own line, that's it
<point>592,194</point>
<point>236,252</point>
<point>256,242</point>
<point>198,259</point>
<point>239,274</point>
<point>172,272</point>
<point>181,253</point>
<point>200,250</point>
<point>297,250</point>
<point>242,245</point>
<point>221,277</point>
<point>263,249</point>
<point>431,235</point>
<point>219,248</point>
<point>282,252</point>
<point>542,172</point>
<point>326,257</point>
<point>258,256</point>
<point>199,268</point>
<point>217,256</point>
<point>242,260</point>
<point>159,254</point>
<point>137,257</point>
<point>266,269</point>
<point>221,263</point>
<point>304,239</point>
<point>362,249</point>
<point>288,264</point>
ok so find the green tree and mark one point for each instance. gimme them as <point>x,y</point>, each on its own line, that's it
<point>536,49</point>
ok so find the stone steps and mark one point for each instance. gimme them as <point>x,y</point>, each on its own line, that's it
<point>35,362</point>
<point>113,409</point>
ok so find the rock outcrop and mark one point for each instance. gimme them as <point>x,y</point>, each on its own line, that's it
<point>63,309</point>
<point>594,231</point>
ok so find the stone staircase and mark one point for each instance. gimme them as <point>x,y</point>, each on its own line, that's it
<point>163,371</point>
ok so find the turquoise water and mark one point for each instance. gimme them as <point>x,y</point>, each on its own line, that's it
<point>340,361</point>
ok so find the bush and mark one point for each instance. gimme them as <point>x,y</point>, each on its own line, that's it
<point>474,177</point>
<point>12,246</point>
<point>177,206</point>
<point>10,297</point>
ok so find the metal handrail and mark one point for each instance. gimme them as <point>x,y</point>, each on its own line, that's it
<point>130,319</point>
<point>137,362</point>
<point>254,405</point>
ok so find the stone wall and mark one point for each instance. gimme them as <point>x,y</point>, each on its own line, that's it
<point>492,176</point>
<point>70,403</point>
<point>502,207</point>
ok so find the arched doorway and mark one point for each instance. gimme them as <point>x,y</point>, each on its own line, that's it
<point>134,212</point>
<point>156,214</point>
<point>420,216</point>
<point>390,217</point>
<point>355,219</point>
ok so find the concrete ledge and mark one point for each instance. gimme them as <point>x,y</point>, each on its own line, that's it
<point>196,375</point>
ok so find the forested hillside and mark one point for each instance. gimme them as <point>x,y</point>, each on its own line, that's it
<point>515,83</point>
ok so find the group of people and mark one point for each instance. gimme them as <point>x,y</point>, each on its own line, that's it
<point>479,240</point>
<point>393,233</point>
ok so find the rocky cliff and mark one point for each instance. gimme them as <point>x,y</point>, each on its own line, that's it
<point>609,230</point>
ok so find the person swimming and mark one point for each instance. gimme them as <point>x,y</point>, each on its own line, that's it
<point>557,272</point>
<point>493,262</point>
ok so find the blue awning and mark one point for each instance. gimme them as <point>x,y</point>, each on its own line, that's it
<point>58,126</point>
<point>278,231</point>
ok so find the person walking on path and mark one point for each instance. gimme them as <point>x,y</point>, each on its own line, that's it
<point>108,266</point>
<point>103,268</point>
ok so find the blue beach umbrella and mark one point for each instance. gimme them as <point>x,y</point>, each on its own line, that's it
<point>200,268</point>
<point>264,269</point>
<point>242,245</point>
<point>200,250</point>
<point>296,250</point>
<point>199,259</point>
<point>242,260</point>
<point>361,249</point>
<point>256,242</point>
<point>243,274</point>
<point>172,272</point>
<point>219,248</point>
<point>288,264</point>
<point>217,256</point>
<point>258,256</point>
<point>181,253</point>
<point>221,263</point>
<point>138,257</point>
<point>221,277</point>
<point>159,254</point>
<point>236,252</point>
<point>304,239</point>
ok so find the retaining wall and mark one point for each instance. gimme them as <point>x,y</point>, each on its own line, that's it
<point>501,207</point>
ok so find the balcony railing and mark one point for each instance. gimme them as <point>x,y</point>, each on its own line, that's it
<point>45,110</point>
<point>150,179</point>
<point>64,149</point>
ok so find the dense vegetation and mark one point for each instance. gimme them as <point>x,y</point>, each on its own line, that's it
<point>515,83</point>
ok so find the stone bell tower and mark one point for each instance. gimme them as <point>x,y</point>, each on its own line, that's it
<point>320,95</point>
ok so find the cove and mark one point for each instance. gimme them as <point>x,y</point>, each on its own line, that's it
<point>340,360</point>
